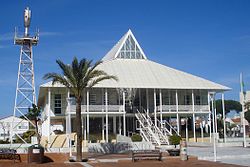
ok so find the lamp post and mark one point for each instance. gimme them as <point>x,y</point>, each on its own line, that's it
<point>243,119</point>
<point>69,100</point>
<point>212,94</point>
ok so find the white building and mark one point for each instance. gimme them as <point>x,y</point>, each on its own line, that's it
<point>19,126</point>
<point>147,92</point>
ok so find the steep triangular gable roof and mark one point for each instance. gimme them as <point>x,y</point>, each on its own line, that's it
<point>126,48</point>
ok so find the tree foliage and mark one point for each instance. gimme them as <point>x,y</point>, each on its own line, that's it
<point>229,105</point>
<point>77,77</point>
<point>34,114</point>
<point>247,113</point>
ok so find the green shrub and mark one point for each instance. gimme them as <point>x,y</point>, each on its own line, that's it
<point>175,139</point>
<point>4,142</point>
<point>26,136</point>
<point>136,138</point>
<point>93,138</point>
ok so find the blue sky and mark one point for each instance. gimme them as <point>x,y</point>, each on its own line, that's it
<point>207,38</point>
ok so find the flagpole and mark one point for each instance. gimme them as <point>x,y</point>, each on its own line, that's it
<point>243,109</point>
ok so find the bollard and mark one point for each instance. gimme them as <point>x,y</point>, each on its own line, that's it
<point>183,152</point>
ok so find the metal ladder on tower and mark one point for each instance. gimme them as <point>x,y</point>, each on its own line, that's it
<point>149,131</point>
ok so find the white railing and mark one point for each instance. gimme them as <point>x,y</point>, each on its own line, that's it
<point>149,131</point>
<point>93,108</point>
<point>187,108</point>
<point>166,128</point>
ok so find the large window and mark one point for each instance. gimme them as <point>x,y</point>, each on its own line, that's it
<point>198,100</point>
<point>92,99</point>
<point>58,104</point>
<point>187,100</point>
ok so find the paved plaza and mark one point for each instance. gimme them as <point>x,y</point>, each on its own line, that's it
<point>231,155</point>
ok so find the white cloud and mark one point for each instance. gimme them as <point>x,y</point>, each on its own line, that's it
<point>47,33</point>
<point>6,36</point>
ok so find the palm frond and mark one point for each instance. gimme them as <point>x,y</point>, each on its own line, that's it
<point>67,72</point>
<point>101,78</point>
<point>57,78</point>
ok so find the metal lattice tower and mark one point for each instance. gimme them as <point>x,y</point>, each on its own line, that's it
<point>25,88</point>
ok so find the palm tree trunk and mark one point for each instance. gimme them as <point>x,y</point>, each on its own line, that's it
<point>37,133</point>
<point>78,124</point>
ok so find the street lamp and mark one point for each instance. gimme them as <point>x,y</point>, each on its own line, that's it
<point>68,128</point>
<point>243,119</point>
<point>212,94</point>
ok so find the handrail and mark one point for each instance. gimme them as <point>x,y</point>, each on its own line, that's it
<point>139,114</point>
<point>156,129</point>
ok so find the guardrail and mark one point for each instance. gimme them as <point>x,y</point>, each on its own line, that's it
<point>93,108</point>
<point>187,108</point>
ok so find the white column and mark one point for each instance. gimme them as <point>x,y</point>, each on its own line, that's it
<point>177,112</point>
<point>84,131</point>
<point>147,101</point>
<point>120,125</point>
<point>186,129</point>
<point>85,128</point>
<point>70,150</point>
<point>88,115</point>
<point>107,119</point>
<point>103,131</point>
<point>209,118</point>
<point>202,136</point>
<point>193,115</point>
<point>67,120</point>
<point>124,114</point>
<point>140,100</point>
<point>215,118</point>
<point>48,111</point>
<point>114,124</point>
<point>103,123</point>
<point>155,116</point>
<point>224,117</point>
<point>160,106</point>
<point>214,132</point>
<point>216,123</point>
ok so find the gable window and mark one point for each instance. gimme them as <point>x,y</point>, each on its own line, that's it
<point>58,104</point>
<point>130,50</point>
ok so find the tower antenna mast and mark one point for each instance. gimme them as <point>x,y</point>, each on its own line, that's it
<point>25,86</point>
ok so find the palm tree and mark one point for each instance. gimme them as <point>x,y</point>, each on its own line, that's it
<point>77,77</point>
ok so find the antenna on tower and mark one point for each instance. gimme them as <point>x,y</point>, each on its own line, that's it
<point>25,87</point>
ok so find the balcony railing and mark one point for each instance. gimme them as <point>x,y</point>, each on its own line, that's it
<point>98,108</point>
<point>185,108</point>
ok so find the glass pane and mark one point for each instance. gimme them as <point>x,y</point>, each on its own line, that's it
<point>127,55</point>
<point>122,55</point>
<point>133,55</point>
